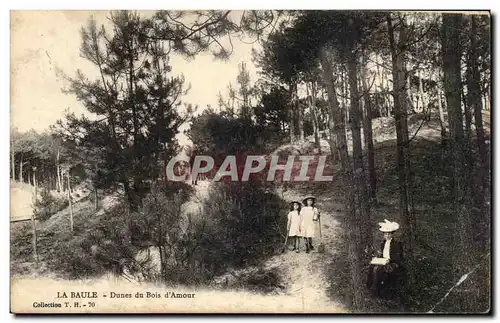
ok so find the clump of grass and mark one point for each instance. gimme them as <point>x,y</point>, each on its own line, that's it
<point>47,205</point>
<point>260,280</point>
<point>242,225</point>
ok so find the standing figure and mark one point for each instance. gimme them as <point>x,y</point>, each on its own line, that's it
<point>385,280</point>
<point>293,224</point>
<point>310,214</point>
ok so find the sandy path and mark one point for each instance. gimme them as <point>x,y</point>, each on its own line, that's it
<point>305,271</point>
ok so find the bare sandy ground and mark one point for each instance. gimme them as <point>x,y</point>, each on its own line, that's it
<point>21,196</point>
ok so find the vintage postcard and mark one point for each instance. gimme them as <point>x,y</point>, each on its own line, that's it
<point>250,161</point>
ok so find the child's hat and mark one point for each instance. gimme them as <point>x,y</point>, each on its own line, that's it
<point>307,198</point>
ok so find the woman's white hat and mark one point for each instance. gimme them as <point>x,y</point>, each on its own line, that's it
<point>388,226</point>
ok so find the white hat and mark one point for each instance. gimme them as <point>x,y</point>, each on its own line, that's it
<point>388,226</point>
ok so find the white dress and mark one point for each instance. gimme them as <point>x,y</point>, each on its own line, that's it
<point>309,214</point>
<point>294,222</point>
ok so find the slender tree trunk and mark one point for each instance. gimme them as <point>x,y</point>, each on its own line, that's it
<point>384,109</point>
<point>467,111</point>
<point>343,98</point>
<point>476,103</point>
<point>451,27</point>
<point>408,90</point>
<point>292,115</point>
<point>441,113</point>
<point>58,170</point>
<point>338,141</point>
<point>317,111</point>
<point>345,87</point>
<point>400,115</point>
<point>300,114</point>
<point>404,128</point>
<point>357,151</point>
<point>485,104</point>
<point>368,133</point>
<point>33,223</point>
<point>312,106</point>
<point>421,92</point>
<point>70,203</point>
<point>21,179</point>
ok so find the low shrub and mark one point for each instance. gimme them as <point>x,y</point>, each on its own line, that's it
<point>47,205</point>
<point>243,223</point>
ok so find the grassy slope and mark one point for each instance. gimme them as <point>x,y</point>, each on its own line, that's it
<point>435,226</point>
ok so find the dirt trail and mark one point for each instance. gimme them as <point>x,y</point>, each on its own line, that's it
<point>305,272</point>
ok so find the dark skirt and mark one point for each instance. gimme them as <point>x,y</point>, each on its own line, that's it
<point>386,285</point>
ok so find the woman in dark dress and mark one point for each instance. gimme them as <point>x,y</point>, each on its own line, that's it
<point>386,281</point>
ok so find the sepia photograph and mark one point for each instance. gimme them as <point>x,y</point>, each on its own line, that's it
<point>250,162</point>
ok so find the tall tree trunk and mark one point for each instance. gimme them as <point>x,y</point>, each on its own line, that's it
<point>451,27</point>
<point>400,115</point>
<point>384,109</point>
<point>21,169</point>
<point>311,88</point>
<point>442,122</point>
<point>317,111</point>
<point>300,115</point>
<point>35,184</point>
<point>70,202</point>
<point>33,223</point>
<point>292,114</point>
<point>408,89</point>
<point>338,141</point>
<point>476,102</point>
<point>364,224</point>
<point>345,87</point>
<point>343,98</point>
<point>367,132</point>
<point>482,196</point>
<point>58,168</point>
<point>404,126</point>
<point>467,110</point>
<point>421,92</point>
<point>487,99</point>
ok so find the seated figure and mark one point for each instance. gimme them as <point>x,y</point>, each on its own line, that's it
<point>385,276</point>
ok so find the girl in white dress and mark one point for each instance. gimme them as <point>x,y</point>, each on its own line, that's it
<point>309,215</point>
<point>293,224</point>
